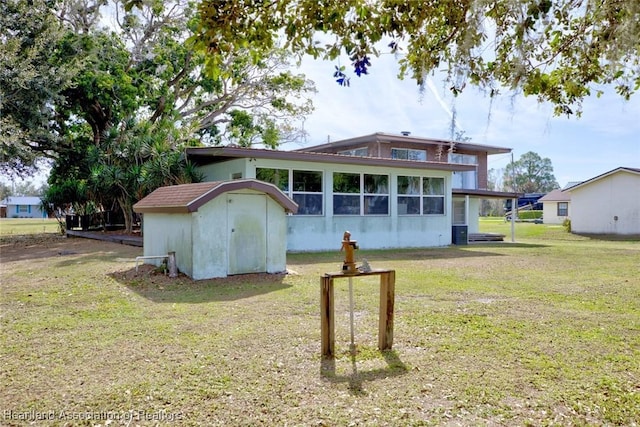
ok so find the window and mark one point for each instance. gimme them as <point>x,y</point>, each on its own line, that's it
<point>359,152</point>
<point>360,194</point>
<point>304,187</point>
<point>277,177</point>
<point>459,212</point>
<point>433,196</point>
<point>563,208</point>
<point>307,192</point>
<point>467,179</point>
<point>420,195</point>
<point>346,193</point>
<point>23,209</point>
<point>408,154</point>
<point>236,175</point>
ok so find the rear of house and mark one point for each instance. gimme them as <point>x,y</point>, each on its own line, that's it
<point>389,191</point>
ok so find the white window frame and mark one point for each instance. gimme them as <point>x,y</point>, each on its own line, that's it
<point>422,197</point>
<point>363,196</point>
<point>289,188</point>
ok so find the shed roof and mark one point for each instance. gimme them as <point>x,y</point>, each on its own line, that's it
<point>186,198</point>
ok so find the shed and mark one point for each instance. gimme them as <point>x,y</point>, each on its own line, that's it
<point>218,228</point>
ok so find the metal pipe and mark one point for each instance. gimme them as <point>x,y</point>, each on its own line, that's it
<point>353,344</point>
<point>150,257</point>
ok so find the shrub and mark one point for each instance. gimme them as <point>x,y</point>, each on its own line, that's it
<point>530,214</point>
<point>567,225</point>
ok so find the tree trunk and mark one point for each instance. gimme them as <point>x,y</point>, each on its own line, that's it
<point>127,212</point>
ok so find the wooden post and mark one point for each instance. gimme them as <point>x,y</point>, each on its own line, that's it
<point>327,318</point>
<point>171,264</point>
<point>327,315</point>
<point>387,300</point>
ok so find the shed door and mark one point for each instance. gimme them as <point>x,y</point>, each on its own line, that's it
<point>247,219</point>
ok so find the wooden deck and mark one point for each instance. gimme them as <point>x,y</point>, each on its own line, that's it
<point>485,237</point>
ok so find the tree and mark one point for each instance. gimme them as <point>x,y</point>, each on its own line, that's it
<point>559,51</point>
<point>140,67</point>
<point>530,174</point>
<point>138,95</point>
<point>29,84</point>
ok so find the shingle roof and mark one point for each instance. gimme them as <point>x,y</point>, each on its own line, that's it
<point>556,196</point>
<point>185,198</point>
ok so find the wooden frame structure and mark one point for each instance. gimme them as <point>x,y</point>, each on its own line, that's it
<point>327,309</point>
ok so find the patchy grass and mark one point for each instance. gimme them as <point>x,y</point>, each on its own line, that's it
<point>542,332</point>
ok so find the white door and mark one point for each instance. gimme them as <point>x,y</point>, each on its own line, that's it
<point>247,219</point>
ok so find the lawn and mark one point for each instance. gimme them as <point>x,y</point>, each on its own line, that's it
<point>9,226</point>
<point>545,331</point>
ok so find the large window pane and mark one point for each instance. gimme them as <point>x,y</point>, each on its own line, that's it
<point>346,205</point>
<point>376,205</point>
<point>433,206</point>
<point>433,186</point>
<point>346,182</point>
<point>307,181</point>
<point>408,154</point>
<point>376,184</point>
<point>408,205</point>
<point>277,177</point>
<point>308,204</point>
<point>409,185</point>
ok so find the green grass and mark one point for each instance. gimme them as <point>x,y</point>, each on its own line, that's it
<point>542,332</point>
<point>16,226</point>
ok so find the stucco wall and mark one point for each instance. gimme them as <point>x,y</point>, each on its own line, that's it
<point>596,205</point>
<point>324,232</point>
<point>163,233</point>
<point>210,240</point>
<point>276,237</point>
<point>224,171</point>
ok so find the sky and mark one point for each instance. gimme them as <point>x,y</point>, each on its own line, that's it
<point>607,135</point>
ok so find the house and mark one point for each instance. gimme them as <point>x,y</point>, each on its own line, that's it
<point>23,207</point>
<point>217,228</point>
<point>389,191</point>
<point>555,207</point>
<point>607,204</point>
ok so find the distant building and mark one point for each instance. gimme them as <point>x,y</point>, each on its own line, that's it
<point>555,207</point>
<point>607,204</point>
<point>22,207</point>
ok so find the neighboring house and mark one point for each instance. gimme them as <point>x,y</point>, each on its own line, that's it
<point>389,191</point>
<point>23,207</point>
<point>607,204</point>
<point>217,228</point>
<point>556,207</point>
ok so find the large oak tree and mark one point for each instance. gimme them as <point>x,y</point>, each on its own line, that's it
<point>560,51</point>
